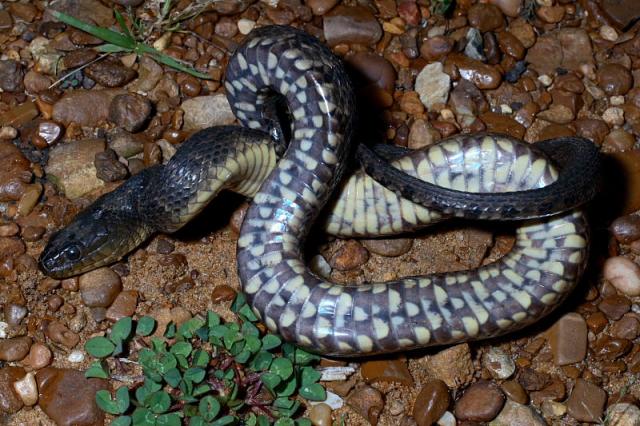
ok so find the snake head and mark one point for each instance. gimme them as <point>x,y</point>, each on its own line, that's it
<point>94,238</point>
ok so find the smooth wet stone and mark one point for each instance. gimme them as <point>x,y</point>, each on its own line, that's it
<point>130,111</point>
<point>206,111</point>
<point>393,370</point>
<point>68,398</point>
<point>368,402</point>
<point>482,75</point>
<point>15,348</point>
<point>124,305</point>
<point>85,107</point>
<point>480,402</point>
<point>431,403</point>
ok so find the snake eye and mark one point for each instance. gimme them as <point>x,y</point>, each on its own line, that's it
<point>72,252</point>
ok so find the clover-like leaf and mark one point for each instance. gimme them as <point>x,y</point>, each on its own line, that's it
<point>271,380</point>
<point>313,392</point>
<point>169,419</point>
<point>145,326</point>
<point>99,347</point>
<point>158,402</point>
<point>270,341</point>
<point>117,405</point>
<point>282,367</point>
<point>121,330</point>
<point>121,421</point>
<point>98,370</point>
<point>209,407</point>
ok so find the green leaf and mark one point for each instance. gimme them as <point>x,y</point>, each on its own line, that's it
<point>262,361</point>
<point>288,387</point>
<point>145,326</point>
<point>249,329</point>
<point>271,380</point>
<point>188,328</point>
<point>147,389</point>
<point>223,421</point>
<point>263,420</point>
<point>107,35</point>
<point>195,375</point>
<point>121,330</point>
<point>213,319</point>
<point>283,403</point>
<point>252,344</point>
<point>209,408</point>
<point>243,357</point>
<point>313,392</point>
<point>99,347</point>
<point>270,341</point>
<point>239,301</point>
<point>284,421</point>
<point>172,377</point>
<point>303,357</point>
<point>282,367</point>
<point>200,389</point>
<point>309,375</point>
<point>143,417</point>
<point>170,419</point>
<point>158,402</point>
<point>200,358</point>
<point>121,421</point>
<point>248,313</point>
<point>303,422</point>
<point>98,370</point>
<point>111,406</point>
<point>170,331</point>
<point>181,348</point>
<point>122,23</point>
<point>111,48</point>
<point>197,421</point>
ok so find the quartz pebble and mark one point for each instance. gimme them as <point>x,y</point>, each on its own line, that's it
<point>624,274</point>
<point>432,84</point>
<point>206,111</point>
<point>568,339</point>
<point>27,389</point>
<point>517,414</point>
<point>498,363</point>
<point>586,402</point>
<point>623,414</point>
<point>10,401</point>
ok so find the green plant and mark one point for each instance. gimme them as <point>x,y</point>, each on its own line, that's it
<point>125,42</point>
<point>208,372</point>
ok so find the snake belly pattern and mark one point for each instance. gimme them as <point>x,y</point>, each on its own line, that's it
<point>379,317</point>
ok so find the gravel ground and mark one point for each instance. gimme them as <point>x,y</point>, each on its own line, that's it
<point>75,124</point>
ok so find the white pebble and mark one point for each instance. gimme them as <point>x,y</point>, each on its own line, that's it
<point>623,414</point>
<point>245,25</point>
<point>447,419</point>
<point>608,33</point>
<point>334,401</point>
<point>432,85</point>
<point>3,329</point>
<point>613,116</point>
<point>616,100</point>
<point>27,389</point>
<point>623,274</point>
<point>545,80</point>
<point>498,363</point>
<point>76,356</point>
<point>505,109</point>
<point>446,114</point>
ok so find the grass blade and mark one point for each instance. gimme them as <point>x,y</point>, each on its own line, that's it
<point>122,23</point>
<point>107,35</point>
<point>112,48</point>
<point>169,61</point>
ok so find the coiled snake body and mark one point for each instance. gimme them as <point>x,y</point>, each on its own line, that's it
<point>545,264</point>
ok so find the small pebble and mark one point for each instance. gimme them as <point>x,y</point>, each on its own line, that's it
<point>368,402</point>
<point>431,403</point>
<point>586,402</point>
<point>623,274</point>
<point>3,329</point>
<point>245,25</point>
<point>15,348</point>
<point>223,293</point>
<point>39,356</point>
<point>99,288</point>
<point>27,389</point>
<point>392,370</point>
<point>515,392</point>
<point>76,356</point>
<point>608,33</point>
<point>350,256</point>
<point>614,306</point>
<point>498,363</point>
<point>60,334</point>
<point>568,339</point>
<point>480,402</point>
<point>320,415</point>
<point>623,414</point>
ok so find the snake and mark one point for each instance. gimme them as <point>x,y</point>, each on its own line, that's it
<point>290,191</point>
